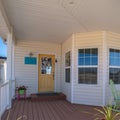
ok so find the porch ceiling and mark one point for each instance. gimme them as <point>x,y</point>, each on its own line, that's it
<point>3,28</point>
<point>55,20</point>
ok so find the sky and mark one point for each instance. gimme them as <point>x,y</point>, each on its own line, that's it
<point>3,48</point>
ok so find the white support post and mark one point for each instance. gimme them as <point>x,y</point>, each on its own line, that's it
<point>104,72</point>
<point>72,70</point>
<point>10,64</point>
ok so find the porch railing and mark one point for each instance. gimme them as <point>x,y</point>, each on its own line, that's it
<point>7,92</point>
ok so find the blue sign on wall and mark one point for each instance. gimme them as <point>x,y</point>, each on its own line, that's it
<point>30,60</point>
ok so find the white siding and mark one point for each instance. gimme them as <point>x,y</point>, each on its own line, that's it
<point>66,87</point>
<point>82,93</point>
<point>113,41</point>
<point>28,74</point>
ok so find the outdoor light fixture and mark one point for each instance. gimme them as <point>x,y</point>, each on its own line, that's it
<point>30,54</point>
<point>56,60</point>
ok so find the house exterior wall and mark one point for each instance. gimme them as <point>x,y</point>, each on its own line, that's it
<point>97,94</point>
<point>66,87</point>
<point>86,93</point>
<point>113,41</point>
<point>28,74</point>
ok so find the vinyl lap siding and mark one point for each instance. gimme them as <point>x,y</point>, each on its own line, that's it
<point>82,93</point>
<point>66,87</point>
<point>113,41</point>
<point>28,74</point>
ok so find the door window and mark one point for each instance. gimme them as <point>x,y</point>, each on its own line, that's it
<point>46,65</point>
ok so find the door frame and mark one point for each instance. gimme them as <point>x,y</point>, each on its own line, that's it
<point>39,68</point>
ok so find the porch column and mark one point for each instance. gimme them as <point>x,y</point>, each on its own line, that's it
<point>10,65</point>
<point>105,63</point>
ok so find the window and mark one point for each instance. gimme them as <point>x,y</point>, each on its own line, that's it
<point>87,62</point>
<point>67,75</point>
<point>114,65</point>
<point>67,66</point>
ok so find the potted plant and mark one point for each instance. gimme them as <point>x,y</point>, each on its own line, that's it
<point>21,90</point>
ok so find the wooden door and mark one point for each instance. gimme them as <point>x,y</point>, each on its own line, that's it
<point>46,71</point>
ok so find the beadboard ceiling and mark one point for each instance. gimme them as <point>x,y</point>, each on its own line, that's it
<point>55,20</point>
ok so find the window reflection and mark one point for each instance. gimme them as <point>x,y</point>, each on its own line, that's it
<point>67,75</point>
<point>88,75</point>
<point>88,56</point>
<point>46,65</point>
<point>114,57</point>
<point>115,75</point>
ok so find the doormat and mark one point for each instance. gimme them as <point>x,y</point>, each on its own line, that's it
<point>48,94</point>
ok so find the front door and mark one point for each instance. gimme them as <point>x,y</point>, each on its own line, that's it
<point>46,68</point>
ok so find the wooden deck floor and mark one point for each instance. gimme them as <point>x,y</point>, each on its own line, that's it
<point>48,110</point>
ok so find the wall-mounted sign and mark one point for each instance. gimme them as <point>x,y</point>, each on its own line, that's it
<point>30,60</point>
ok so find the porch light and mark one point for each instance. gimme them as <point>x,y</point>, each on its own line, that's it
<point>56,60</point>
<point>31,54</point>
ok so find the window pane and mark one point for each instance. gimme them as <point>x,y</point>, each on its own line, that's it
<point>116,53</point>
<point>87,52</point>
<point>114,57</point>
<point>94,60</point>
<point>94,52</point>
<point>94,75</point>
<point>119,61</point>
<point>87,61</point>
<point>81,53</point>
<point>114,74</point>
<point>46,65</point>
<point>67,75</point>
<point>81,75</point>
<point>111,61</point>
<point>88,56</point>
<point>112,52</point>
<point>81,61</point>
<point>116,61</point>
<point>68,59</point>
<point>87,75</point>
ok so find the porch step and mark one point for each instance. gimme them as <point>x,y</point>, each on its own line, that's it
<point>48,96</point>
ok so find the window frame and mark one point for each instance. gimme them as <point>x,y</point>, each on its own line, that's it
<point>88,66</point>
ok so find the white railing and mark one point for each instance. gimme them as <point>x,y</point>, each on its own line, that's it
<point>7,93</point>
<point>4,97</point>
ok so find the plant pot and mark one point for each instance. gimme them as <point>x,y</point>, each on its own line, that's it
<point>21,92</point>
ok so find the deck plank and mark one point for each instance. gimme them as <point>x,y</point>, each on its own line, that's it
<point>30,110</point>
<point>53,112</point>
<point>41,117</point>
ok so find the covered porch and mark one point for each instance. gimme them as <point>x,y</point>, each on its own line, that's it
<point>59,33</point>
